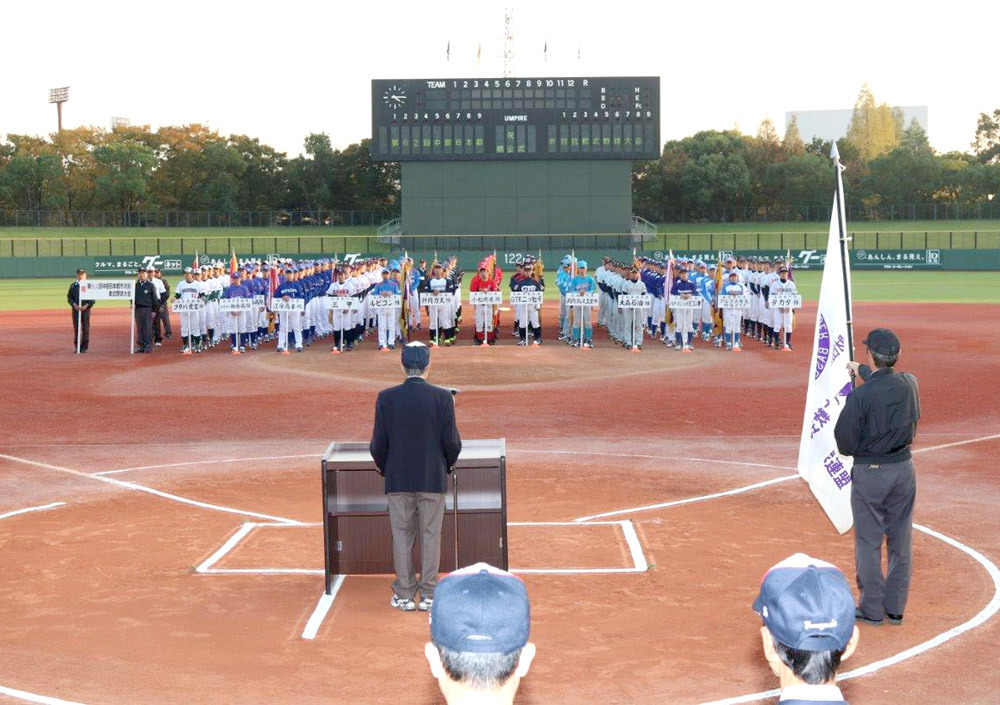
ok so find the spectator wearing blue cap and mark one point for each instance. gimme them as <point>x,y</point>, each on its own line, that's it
<point>808,613</point>
<point>415,444</point>
<point>480,624</point>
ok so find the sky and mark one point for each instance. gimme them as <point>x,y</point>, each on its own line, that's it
<point>281,70</point>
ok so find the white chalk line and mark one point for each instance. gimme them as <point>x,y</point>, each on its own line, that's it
<point>322,608</point>
<point>34,697</point>
<point>152,491</point>
<point>31,509</point>
<point>658,457</point>
<point>687,500</point>
<point>208,462</point>
<point>325,442</point>
<point>639,563</point>
<point>984,614</point>
<point>957,443</point>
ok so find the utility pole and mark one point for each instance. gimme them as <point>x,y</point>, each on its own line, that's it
<point>59,96</point>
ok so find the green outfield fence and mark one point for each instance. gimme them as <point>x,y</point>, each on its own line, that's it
<point>332,244</point>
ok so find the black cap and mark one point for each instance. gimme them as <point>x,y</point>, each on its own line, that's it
<point>882,341</point>
<point>416,355</point>
<point>81,270</point>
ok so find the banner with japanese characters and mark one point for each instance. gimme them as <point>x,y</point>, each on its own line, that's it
<point>827,472</point>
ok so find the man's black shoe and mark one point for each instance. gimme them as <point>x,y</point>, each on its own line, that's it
<point>895,619</point>
<point>858,615</point>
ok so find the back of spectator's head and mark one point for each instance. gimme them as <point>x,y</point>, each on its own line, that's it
<point>480,622</point>
<point>808,613</point>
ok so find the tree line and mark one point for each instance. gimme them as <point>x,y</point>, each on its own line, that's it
<point>194,168</point>
<point>887,163</point>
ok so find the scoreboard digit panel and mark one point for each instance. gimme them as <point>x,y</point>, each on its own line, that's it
<point>516,118</point>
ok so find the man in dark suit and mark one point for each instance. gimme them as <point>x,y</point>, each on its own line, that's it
<point>81,313</point>
<point>415,444</point>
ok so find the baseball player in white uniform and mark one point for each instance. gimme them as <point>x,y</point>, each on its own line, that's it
<point>784,317</point>
<point>190,290</point>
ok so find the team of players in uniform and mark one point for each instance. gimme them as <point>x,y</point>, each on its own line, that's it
<point>324,284</point>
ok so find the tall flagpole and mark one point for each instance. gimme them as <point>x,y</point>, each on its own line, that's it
<point>838,168</point>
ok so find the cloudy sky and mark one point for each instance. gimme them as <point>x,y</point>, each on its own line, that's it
<point>280,70</point>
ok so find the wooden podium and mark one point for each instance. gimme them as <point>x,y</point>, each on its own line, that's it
<point>356,535</point>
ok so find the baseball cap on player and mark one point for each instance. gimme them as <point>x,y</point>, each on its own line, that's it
<point>416,355</point>
<point>806,604</point>
<point>883,342</point>
<point>150,268</point>
<point>481,609</point>
<point>187,270</point>
<point>581,264</point>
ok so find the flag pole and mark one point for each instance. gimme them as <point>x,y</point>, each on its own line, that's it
<point>835,155</point>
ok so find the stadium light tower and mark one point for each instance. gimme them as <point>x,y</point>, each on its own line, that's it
<point>120,122</point>
<point>59,96</point>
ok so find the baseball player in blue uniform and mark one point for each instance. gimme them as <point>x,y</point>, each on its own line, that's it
<point>583,283</point>
<point>290,321</point>
<point>386,317</point>
<point>682,317</point>
<point>237,324</point>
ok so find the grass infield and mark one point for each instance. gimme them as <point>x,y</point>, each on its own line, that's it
<point>905,287</point>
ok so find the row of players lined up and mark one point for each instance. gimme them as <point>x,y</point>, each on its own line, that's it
<point>319,289</point>
<point>692,299</point>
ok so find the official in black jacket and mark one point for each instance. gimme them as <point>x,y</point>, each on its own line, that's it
<point>415,444</point>
<point>80,311</point>
<point>147,301</point>
<point>876,428</point>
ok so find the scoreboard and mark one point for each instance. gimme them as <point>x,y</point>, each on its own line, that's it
<point>503,119</point>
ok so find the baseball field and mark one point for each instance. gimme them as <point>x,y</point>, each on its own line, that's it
<point>159,514</point>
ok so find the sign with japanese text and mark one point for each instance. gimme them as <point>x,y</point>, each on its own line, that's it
<point>635,301</point>
<point>678,303</point>
<point>236,305</point>
<point>585,300</point>
<point>107,289</point>
<point>485,298</point>
<point>784,301</point>
<point>381,303</point>
<point>526,298</point>
<point>729,302</point>
<point>290,306</point>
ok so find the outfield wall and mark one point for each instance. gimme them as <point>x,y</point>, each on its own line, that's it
<point>961,260</point>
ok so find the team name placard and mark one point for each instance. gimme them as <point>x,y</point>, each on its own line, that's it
<point>635,301</point>
<point>784,301</point>
<point>740,301</point>
<point>590,300</point>
<point>385,302</point>
<point>526,298</point>
<point>107,289</point>
<point>290,306</point>
<point>678,303</point>
<point>187,305</point>
<point>485,298</point>
<point>236,305</point>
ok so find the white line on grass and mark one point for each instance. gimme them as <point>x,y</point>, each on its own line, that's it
<point>150,490</point>
<point>209,462</point>
<point>657,457</point>
<point>322,608</point>
<point>984,614</point>
<point>31,509</point>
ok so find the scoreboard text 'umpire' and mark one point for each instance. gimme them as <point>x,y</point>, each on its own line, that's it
<point>516,118</point>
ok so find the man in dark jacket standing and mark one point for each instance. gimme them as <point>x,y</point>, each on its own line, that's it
<point>876,428</point>
<point>81,313</point>
<point>415,444</point>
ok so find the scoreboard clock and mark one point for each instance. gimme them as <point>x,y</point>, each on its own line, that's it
<point>500,119</point>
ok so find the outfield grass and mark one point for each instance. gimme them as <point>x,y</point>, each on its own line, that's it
<point>910,287</point>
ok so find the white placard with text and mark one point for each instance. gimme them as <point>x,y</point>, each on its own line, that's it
<point>385,302</point>
<point>485,298</point>
<point>290,306</point>
<point>526,298</point>
<point>634,301</point>
<point>107,289</point>
<point>236,305</point>
<point>678,303</point>
<point>590,300</point>
<point>740,301</point>
<point>784,301</point>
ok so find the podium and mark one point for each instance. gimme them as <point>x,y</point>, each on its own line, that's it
<point>356,535</point>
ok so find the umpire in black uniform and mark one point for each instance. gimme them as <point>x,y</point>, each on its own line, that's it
<point>876,427</point>
<point>415,444</point>
<point>80,311</point>
<point>147,301</point>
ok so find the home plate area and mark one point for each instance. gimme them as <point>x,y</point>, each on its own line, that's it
<point>535,547</point>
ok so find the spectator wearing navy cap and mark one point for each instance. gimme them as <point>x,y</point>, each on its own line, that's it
<point>415,444</point>
<point>876,428</point>
<point>480,624</point>
<point>808,613</point>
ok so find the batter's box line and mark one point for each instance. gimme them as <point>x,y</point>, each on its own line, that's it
<point>639,563</point>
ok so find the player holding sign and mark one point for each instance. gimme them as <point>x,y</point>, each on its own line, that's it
<point>583,330</point>
<point>385,318</point>
<point>529,312</point>
<point>732,317</point>
<point>236,321</point>
<point>290,321</point>
<point>343,328</point>
<point>190,289</point>
<point>683,317</point>
<point>783,317</point>
<point>485,322</point>
<point>633,318</point>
